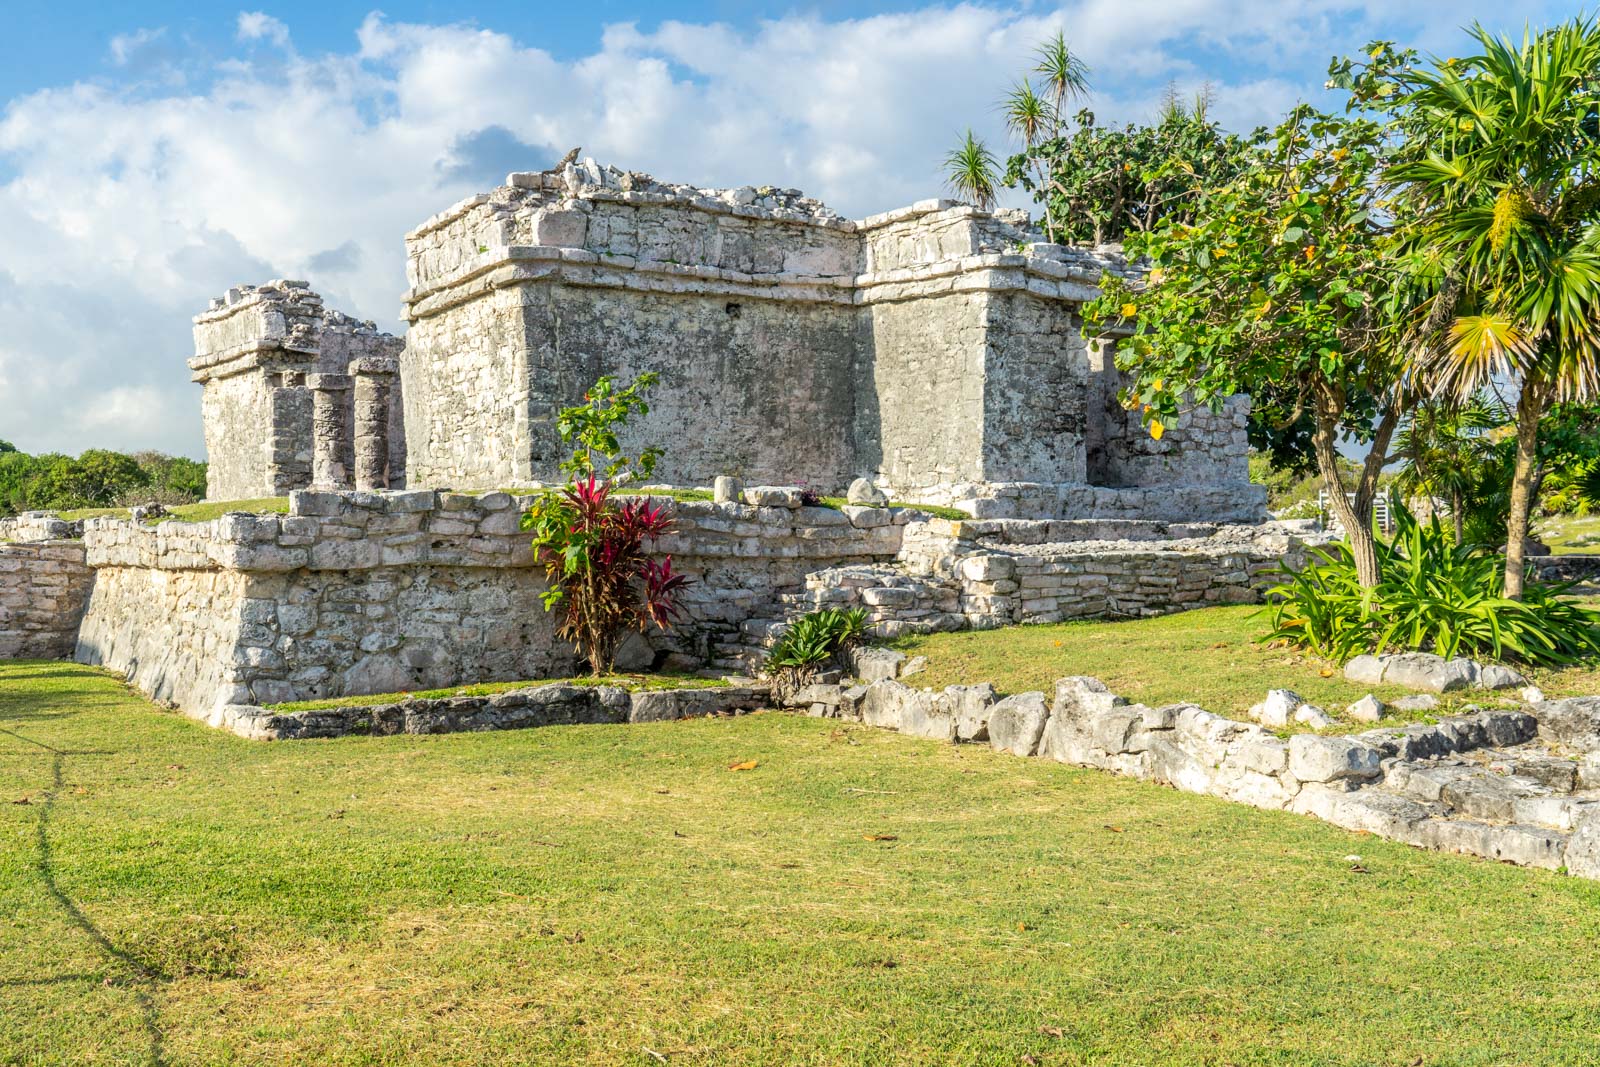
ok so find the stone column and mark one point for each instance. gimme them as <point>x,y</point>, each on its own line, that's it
<point>374,381</point>
<point>330,430</point>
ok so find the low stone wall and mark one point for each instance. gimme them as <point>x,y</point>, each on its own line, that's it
<point>43,586</point>
<point>39,526</point>
<point>1517,786</point>
<point>516,709</point>
<point>1573,568</point>
<point>982,575</point>
<point>358,593</point>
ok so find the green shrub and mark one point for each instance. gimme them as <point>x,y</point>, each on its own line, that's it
<point>812,641</point>
<point>1435,595</point>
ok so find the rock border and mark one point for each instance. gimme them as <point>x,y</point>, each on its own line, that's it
<point>1505,785</point>
<point>513,709</point>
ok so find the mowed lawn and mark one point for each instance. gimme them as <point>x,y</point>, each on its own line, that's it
<point>617,894</point>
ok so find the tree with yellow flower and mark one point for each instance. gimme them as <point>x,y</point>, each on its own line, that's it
<point>1282,280</point>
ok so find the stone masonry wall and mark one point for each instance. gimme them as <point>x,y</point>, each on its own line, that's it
<point>43,585</point>
<point>354,593</point>
<point>254,350</point>
<point>935,349</point>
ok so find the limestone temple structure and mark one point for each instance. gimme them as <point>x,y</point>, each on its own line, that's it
<point>932,355</point>
<point>936,350</point>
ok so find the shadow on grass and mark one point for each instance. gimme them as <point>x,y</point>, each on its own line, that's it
<point>145,977</point>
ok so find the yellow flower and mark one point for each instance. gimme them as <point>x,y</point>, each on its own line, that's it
<point>1130,310</point>
<point>1156,429</point>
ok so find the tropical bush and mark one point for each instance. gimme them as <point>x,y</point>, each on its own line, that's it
<point>594,550</point>
<point>813,641</point>
<point>95,479</point>
<point>1434,595</point>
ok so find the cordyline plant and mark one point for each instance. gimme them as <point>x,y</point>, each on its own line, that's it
<point>594,549</point>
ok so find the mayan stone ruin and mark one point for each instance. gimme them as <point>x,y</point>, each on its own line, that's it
<point>936,350</point>
<point>930,356</point>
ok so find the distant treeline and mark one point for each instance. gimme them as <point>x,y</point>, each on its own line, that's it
<point>95,479</point>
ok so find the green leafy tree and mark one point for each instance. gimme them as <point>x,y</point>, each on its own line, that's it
<point>1284,276</point>
<point>1101,183</point>
<point>1499,186</point>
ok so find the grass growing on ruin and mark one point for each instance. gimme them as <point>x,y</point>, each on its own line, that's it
<point>634,683</point>
<point>1208,657</point>
<point>203,512</point>
<point>617,894</point>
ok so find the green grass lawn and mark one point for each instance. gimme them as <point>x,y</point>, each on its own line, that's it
<point>616,894</point>
<point>1209,657</point>
<point>203,512</point>
<point>1570,533</point>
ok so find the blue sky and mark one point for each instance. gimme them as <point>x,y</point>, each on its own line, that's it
<point>152,155</point>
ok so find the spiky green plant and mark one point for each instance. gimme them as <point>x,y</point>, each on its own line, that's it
<point>971,173</point>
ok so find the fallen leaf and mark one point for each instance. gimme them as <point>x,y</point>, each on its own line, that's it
<point>1052,1031</point>
<point>575,938</point>
<point>747,765</point>
<point>1356,868</point>
<point>1326,673</point>
<point>1030,1060</point>
<point>880,837</point>
<point>22,800</point>
<point>1115,829</point>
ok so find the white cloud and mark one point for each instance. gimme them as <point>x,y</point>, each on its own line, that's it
<point>128,208</point>
<point>125,45</point>
<point>260,26</point>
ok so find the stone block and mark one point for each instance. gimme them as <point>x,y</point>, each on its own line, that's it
<point>1329,759</point>
<point>875,664</point>
<point>1574,722</point>
<point>1079,697</point>
<point>1368,709</point>
<point>1278,709</point>
<point>864,493</point>
<point>1017,723</point>
<point>1365,670</point>
<point>1430,673</point>
<point>774,496</point>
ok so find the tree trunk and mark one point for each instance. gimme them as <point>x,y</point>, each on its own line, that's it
<point>1530,409</point>
<point>1459,519</point>
<point>1355,517</point>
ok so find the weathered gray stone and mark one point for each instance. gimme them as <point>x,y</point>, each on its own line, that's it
<point>1017,723</point>
<point>1329,759</point>
<point>1574,722</point>
<point>872,664</point>
<point>864,493</point>
<point>1434,674</point>
<point>1079,697</point>
<point>1278,709</point>
<point>1365,670</point>
<point>1368,709</point>
<point>726,489</point>
<point>1583,849</point>
<point>971,704</point>
<point>1495,676</point>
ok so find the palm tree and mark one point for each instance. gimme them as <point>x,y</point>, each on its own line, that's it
<point>1447,452</point>
<point>971,174</point>
<point>1500,182</point>
<point>1066,77</point>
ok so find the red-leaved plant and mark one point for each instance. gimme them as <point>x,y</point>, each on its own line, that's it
<point>593,553</point>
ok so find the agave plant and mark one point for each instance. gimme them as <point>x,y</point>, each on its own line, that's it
<point>812,641</point>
